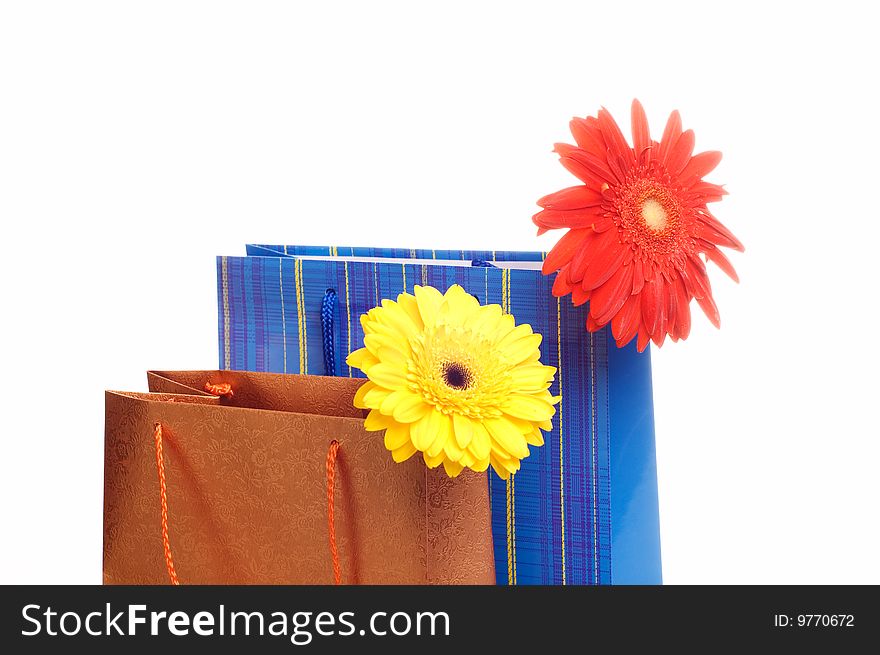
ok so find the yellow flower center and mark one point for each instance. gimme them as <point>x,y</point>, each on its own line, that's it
<point>456,375</point>
<point>458,371</point>
<point>654,215</point>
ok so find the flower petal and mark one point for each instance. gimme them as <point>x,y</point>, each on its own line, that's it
<point>587,134</point>
<point>520,331</point>
<point>480,465</point>
<point>403,453</point>
<point>362,359</point>
<point>507,436</point>
<point>579,296</point>
<point>625,323</point>
<point>574,197</point>
<point>683,310</point>
<point>480,444</point>
<point>722,262</point>
<point>606,300</point>
<point>643,339</point>
<point>375,342</point>
<point>484,319</point>
<point>582,172</point>
<point>392,400</point>
<point>662,317</point>
<point>433,462</point>
<point>581,258</point>
<point>396,436</point>
<point>670,135</point>
<point>607,255</point>
<point>554,219</point>
<point>424,431</point>
<point>671,298</point>
<point>429,301</point>
<point>699,165</point>
<point>410,409</point>
<point>712,230</point>
<point>457,305</point>
<point>375,397</point>
<point>521,349</point>
<point>503,326</point>
<point>533,377</point>
<point>561,287</point>
<point>410,305</point>
<point>504,467</point>
<point>651,308</point>
<point>442,428</point>
<point>680,153</point>
<point>375,421</point>
<point>614,138</point>
<point>535,438</point>
<point>564,249</point>
<point>640,132</point>
<point>638,276</point>
<point>702,192</point>
<point>598,167</point>
<point>393,357</point>
<point>394,315</point>
<point>452,450</point>
<point>527,407</point>
<point>464,430</point>
<point>361,392</point>
<point>452,468</point>
<point>702,290</point>
<point>389,376</point>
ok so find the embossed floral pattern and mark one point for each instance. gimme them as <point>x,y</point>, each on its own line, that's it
<point>247,494</point>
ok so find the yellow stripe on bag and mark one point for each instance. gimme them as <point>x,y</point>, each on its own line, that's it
<point>511,485</point>
<point>593,472</point>
<point>302,296</point>
<point>283,318</point>
<point>224,274</point>
<point>301,316</point>
<point>513,507</point>
<point>559,413</point>
<point>512,477</point>
<point>347,311</point>
<point>376,281</point>
<point>509,537</point>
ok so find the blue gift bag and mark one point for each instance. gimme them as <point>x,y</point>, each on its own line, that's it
<point>583,507</point>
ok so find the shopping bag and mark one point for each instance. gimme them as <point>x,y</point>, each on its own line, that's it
<point>583,508</point>
<point>220,477</point>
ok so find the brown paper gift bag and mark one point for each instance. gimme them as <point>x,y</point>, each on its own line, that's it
<point>246,481</point>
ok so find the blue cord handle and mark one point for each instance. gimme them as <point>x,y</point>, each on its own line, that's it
<point>328,308</point>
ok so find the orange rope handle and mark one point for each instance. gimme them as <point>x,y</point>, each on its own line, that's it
<point>166,543</point>
<point>331,480</point>
<point>223,389</point>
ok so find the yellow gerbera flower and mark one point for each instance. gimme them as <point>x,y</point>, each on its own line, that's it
<point>459,382</point>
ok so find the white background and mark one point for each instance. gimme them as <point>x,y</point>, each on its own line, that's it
<point>139,140</point>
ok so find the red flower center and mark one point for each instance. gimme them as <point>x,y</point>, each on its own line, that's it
<point>650,215</point>
<point>654,214</point>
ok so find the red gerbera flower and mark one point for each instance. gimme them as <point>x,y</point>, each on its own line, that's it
<point>636,228</point>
